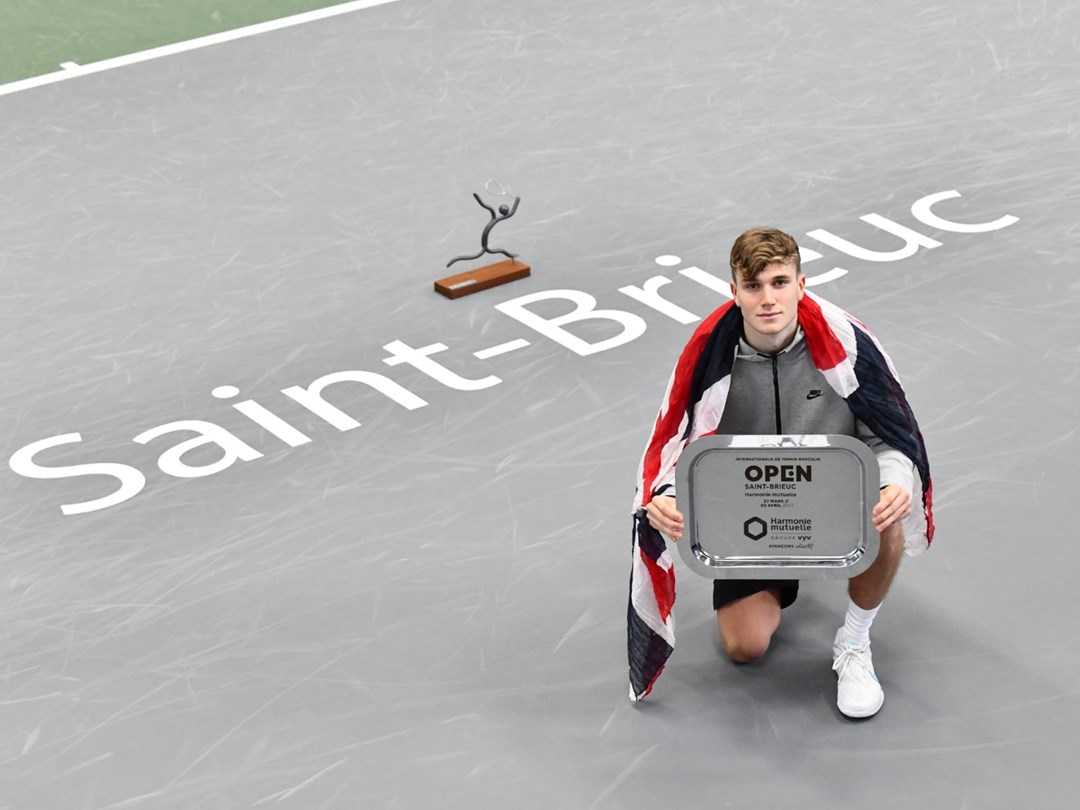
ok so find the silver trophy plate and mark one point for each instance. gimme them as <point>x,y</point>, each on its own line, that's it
<point>778,507</point>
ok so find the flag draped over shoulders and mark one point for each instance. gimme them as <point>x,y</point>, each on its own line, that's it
<point>855,366</point>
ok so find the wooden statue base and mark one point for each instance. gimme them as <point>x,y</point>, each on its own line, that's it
<point>482,278</point>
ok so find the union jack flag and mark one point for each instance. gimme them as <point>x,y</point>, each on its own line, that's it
<point>855,366</point>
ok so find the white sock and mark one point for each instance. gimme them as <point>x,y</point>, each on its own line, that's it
<point>857,623</point>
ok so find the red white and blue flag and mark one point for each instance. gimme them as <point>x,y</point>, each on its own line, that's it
<point>855,366</point>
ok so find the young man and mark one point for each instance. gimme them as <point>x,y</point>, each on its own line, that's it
<point>776,361</point>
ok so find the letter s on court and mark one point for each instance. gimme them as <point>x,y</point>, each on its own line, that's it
<point>131,480</point>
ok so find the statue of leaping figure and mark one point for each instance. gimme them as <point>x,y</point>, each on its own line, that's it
<point>505,212</point>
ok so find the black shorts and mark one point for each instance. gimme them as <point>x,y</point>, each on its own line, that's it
<point>728,590</point>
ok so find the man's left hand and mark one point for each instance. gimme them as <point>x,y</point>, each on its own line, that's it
<point>894,506</point>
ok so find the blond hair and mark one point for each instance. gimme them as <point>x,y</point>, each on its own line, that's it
<point>757,248</point>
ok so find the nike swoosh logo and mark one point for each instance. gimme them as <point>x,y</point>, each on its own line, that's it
<point>814,394</point>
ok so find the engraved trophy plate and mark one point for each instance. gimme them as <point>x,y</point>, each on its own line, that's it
<point>786,507</point>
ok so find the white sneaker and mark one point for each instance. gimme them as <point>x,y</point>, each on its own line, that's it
<point>858,693</point>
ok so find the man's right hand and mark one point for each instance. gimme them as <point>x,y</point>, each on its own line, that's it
<point>664,517</point>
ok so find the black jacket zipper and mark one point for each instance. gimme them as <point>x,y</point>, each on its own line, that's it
<point>776,394</point>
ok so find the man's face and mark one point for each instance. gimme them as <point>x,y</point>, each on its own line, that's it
<point>769,304</point>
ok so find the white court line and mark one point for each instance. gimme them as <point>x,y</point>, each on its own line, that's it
<point>502,348</point>
<point>71,70</point>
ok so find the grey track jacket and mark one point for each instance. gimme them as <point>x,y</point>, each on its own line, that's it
<point>785,393</point>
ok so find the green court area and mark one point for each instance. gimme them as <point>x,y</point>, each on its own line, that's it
<point>38,36</point>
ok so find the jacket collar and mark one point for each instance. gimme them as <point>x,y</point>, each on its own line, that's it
<point>748,352</point>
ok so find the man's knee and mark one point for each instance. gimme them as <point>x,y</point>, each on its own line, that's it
<point>744,648</point>
<point>746,625</point>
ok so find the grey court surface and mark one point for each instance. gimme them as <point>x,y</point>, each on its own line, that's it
<point>427,609</point>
